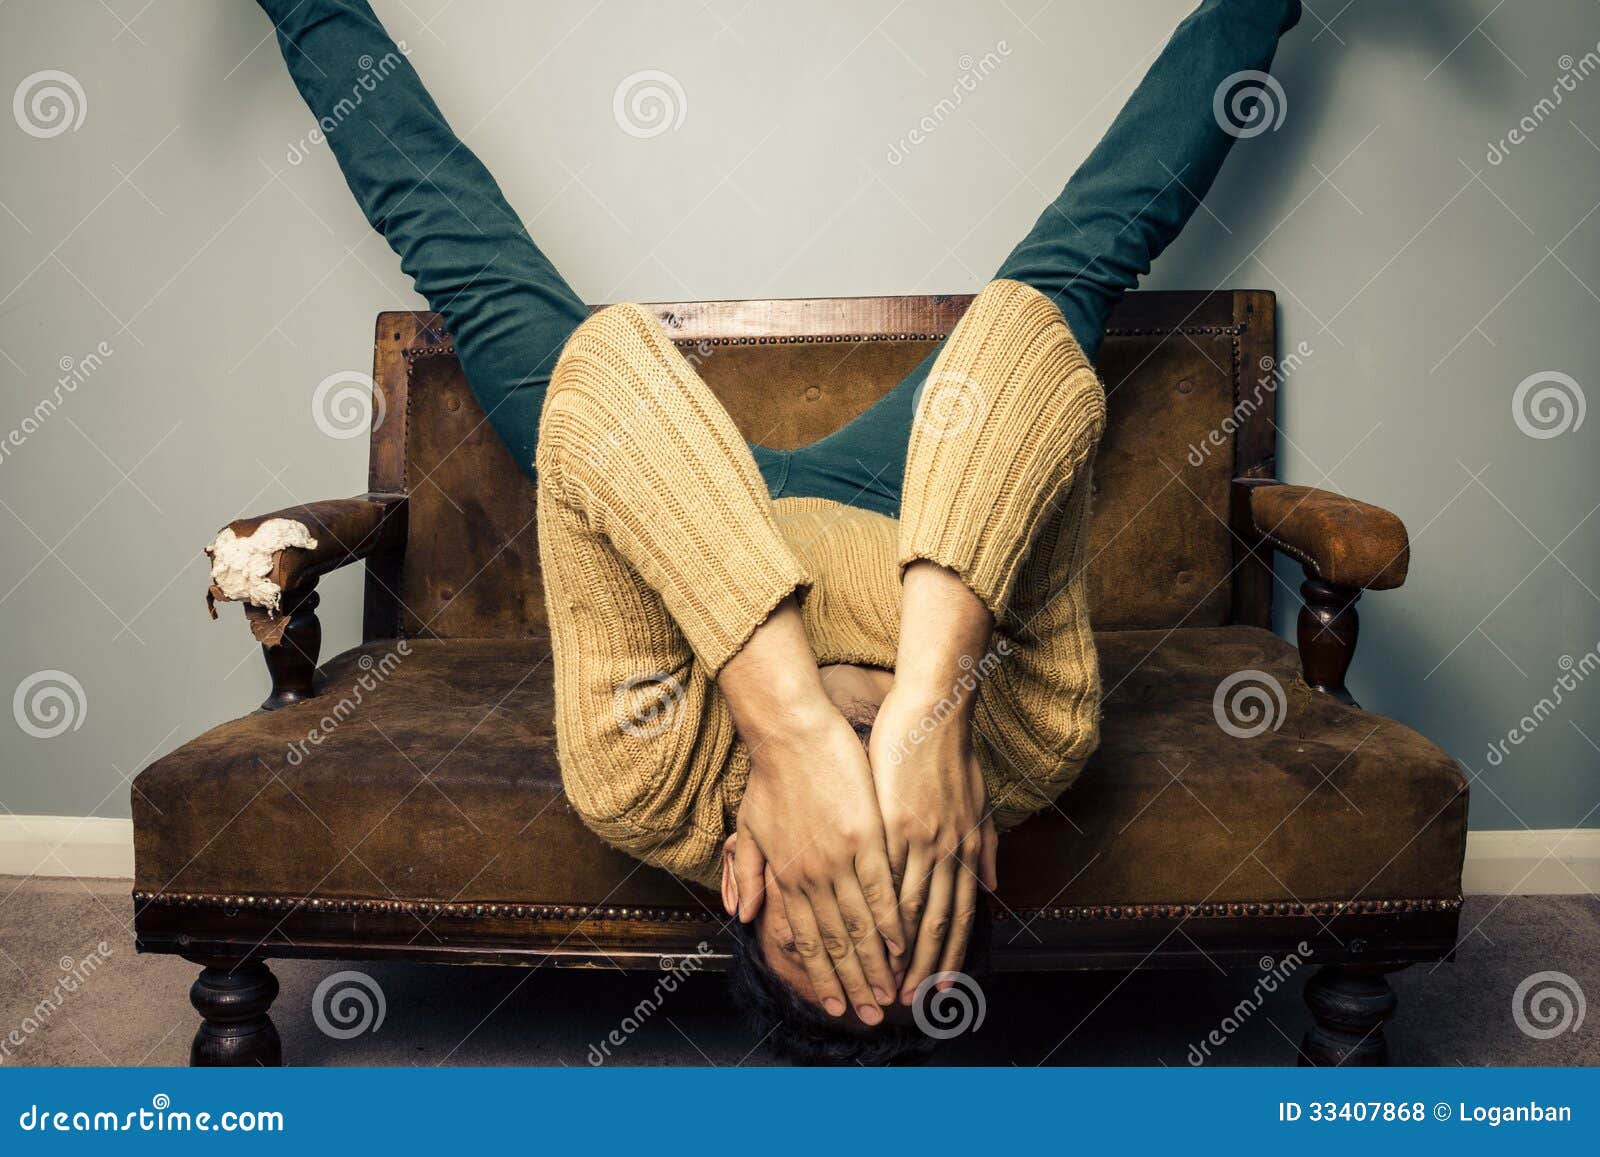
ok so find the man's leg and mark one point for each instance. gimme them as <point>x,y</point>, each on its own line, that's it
<point>505,305</point>
<point>1126,203</point>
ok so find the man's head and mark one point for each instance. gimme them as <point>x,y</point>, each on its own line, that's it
<point>769,984</point>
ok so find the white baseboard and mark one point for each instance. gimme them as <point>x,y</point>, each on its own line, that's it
<point>1547,862</point>
<point>1554,861</point>
<point>66,846</point>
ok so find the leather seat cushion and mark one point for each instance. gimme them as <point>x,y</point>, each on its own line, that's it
<point>438,781</point>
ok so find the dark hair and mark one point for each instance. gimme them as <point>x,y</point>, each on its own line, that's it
<point>804,1034</point>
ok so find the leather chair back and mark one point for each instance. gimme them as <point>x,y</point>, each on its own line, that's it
<point>1190,380</point>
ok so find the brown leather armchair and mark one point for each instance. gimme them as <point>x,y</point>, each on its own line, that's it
<point>403,799</point>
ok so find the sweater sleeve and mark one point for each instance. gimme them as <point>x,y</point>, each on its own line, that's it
<point>1008,420</point>
<point>635,441</point>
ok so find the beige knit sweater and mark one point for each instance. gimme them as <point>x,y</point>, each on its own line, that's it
<point>662,553</point>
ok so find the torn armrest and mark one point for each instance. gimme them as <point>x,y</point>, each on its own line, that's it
<point>259,561</point>
<point>1338,539</point>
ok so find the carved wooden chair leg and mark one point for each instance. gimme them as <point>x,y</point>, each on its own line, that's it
<point>1327,630</point>
<point>1349,1002</point>
<point>292,659</point>
<point>233,997</point>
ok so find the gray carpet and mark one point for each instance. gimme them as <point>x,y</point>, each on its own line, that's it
<point>134,1010</point>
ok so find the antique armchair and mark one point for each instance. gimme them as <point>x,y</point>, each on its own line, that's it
<point>1241,804</point>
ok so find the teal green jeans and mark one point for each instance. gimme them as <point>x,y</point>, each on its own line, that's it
<point>510,311</point>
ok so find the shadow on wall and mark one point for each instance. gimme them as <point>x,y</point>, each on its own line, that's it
<point>1257,182</point>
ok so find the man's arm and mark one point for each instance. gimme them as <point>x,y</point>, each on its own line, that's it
<point>809,813</point>
<point>935,806</point>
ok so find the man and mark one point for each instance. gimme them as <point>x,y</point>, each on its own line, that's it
<point>769,604</point>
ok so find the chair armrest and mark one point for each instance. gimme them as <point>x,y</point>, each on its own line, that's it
<point>1340,540</point>
<point>261,560</point>
<point>271,564</point>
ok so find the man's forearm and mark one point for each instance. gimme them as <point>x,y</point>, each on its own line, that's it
<point>944,631</point>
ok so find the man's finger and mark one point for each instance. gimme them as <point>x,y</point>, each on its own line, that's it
<point>869,946</point>
<point>813,956</point>
<point>991,853</point>
<point>875,873</point>
<point>966,907</point>
<point>750,871</point>
<point>841,952</point>
<point>914,897</point>
<point>934,928</point>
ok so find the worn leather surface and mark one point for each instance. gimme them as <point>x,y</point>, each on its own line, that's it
<point>345,529</point>
<point>1339,539</point>
<point>1160,545</point>
<point>437,779</point>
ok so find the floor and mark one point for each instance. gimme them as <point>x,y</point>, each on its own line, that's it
<point>116,1007</point>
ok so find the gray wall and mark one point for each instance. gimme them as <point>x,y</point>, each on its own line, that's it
<point>227,283</point>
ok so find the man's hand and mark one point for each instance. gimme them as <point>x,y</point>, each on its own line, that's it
<point>930,790</point>
<point>935,814</point>
<point>810,814</point>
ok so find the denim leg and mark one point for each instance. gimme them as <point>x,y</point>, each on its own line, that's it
<point>468,254</point>
<point>1128,200</point>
